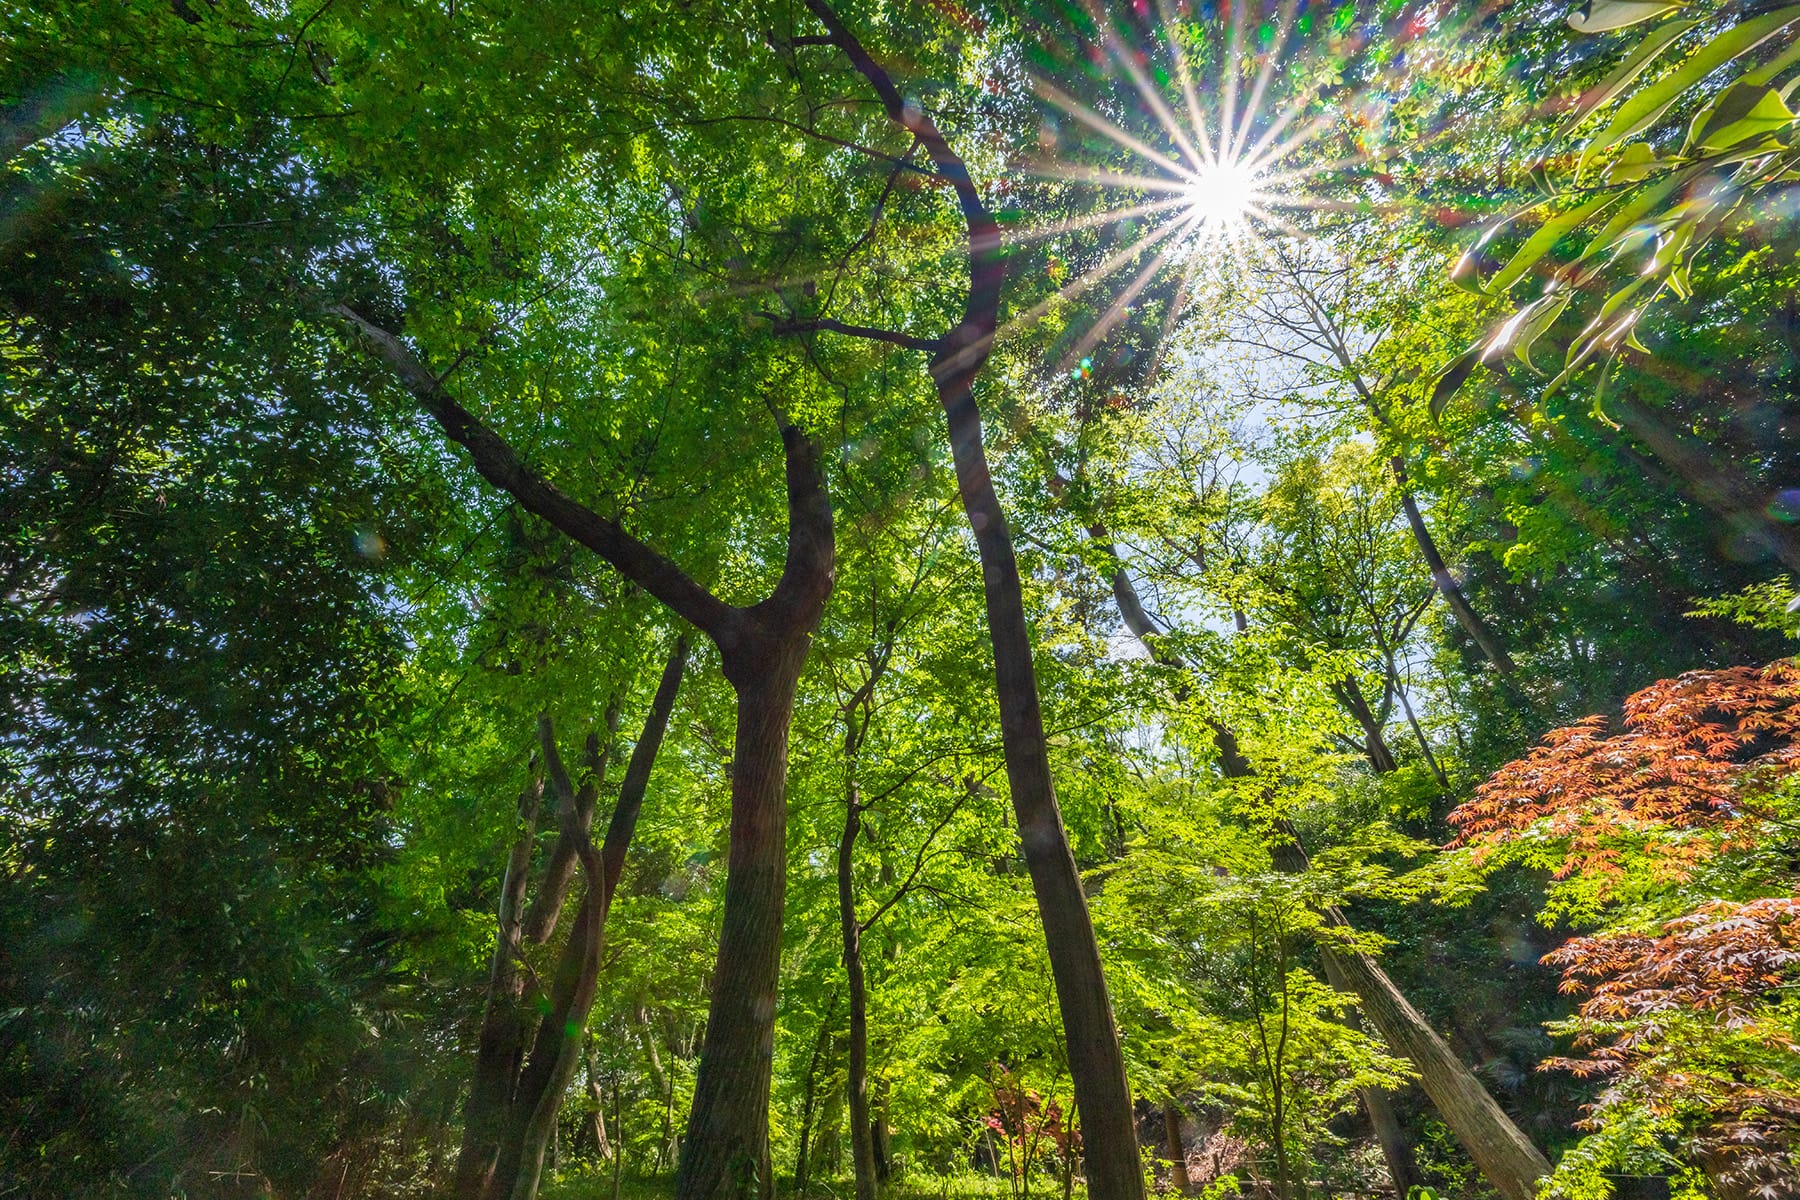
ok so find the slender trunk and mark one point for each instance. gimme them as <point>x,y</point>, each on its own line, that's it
<point>556,1048</point>
<point>1396,1143</point>
<point>1178,1173</point>
<point>726,1151</point>
<point>880,1135</point>
<point>1444,581</point>
<point>1418,733</point>
<point>1095,1062</point>
<point>856,1083</point>
<point>602,1144</point>
<point>803,1156</point>
<point>504,1027</point>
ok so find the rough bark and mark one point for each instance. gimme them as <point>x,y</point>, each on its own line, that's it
<point>727,1148</point>
<point>1442,578</point>
<point>1500,1148</point>
<point>1096,1065</point>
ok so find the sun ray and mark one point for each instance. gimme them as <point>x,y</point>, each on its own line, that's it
<point>1093,275</point>
<point>1284,26</point>
<point>1123,55</point>
<point>1262,155</point>
<point>1106,217</point>
<point>1101,125</point>
<point>1149,183</point>
<point>1115,311</point>
<point>1228,112</point>
<point>1186,78</point>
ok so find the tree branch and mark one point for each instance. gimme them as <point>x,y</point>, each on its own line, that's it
<point>498,463</point>
<point>786,328</point>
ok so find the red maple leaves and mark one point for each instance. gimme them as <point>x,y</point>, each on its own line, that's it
<point>1693,1026</point>
<point>1690,755</point>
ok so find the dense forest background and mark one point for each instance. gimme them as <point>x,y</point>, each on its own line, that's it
<point>934,598</point>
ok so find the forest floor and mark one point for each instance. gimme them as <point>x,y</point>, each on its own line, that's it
<point>598,1185</point>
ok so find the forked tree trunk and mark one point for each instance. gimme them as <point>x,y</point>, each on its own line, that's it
<point>505,1026</point>
<point>556,1049</point>
<point>762,649</point>
<point>1096,1065</point>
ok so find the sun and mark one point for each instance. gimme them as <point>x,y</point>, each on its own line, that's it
<point>1222,195</point>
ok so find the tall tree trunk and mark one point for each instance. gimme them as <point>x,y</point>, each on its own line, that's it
<point>727,1146</point>
<point>602,1144</point>
<point>1445,582</point>
<point>856,1082</point>
<point>1096,1064</point>
<point>762,648</point>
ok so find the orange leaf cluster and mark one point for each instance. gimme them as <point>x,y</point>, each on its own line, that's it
<point>1688,755</point>
<point>1720,959</point>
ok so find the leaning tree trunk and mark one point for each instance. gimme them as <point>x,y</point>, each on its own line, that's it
<point>1096,1065</point>
<point>1445,582</point>
<point>1499,1147</point>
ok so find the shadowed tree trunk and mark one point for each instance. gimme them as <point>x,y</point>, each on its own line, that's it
<point>505,1028</point>
<point>1096,1066</point>
<point>762,649</point>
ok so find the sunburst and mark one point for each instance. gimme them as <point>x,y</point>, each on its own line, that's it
<point>1204,187</point>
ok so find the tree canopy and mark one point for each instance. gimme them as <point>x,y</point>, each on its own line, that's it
<point>932,598</point>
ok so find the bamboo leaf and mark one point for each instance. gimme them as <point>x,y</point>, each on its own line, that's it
<point>1646,52</point>
<point>1545,239</point>
<point>1452,377</point>
<point>1742,113</point>
<point>1602,16</point>
<point>1644,108</point>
